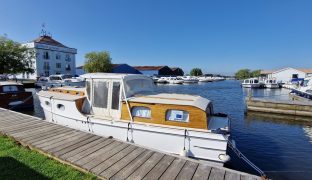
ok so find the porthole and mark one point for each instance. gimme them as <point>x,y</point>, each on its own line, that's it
<point>47,103</point>
<point>60,107</point>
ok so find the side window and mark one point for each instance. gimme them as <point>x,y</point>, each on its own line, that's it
<point>88,88</point>
<point>115,95</point>
<point>140,111</point>
<point>100,93</point>
<point>177,115</point>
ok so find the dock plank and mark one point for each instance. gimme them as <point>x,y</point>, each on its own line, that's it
<point>108,173</point>
<point>104,156</point>
<point>125,172</point>
<point>86,148</point>
<point>202,172</point>
<point>174,169</point>
<point>160,168</point>
<point>216,174</point>
<point>97,153</point>
<point>86,152</point>
<point>231,176</point>
<point>74,146</point>
<point>146,167</point>
<point>187,171</point>
<point>106,163</point>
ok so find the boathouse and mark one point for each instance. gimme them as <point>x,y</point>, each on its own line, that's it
<point>117,68</point>
<point>286,74</point>
<point>177,71</point>
<point>159,70</point>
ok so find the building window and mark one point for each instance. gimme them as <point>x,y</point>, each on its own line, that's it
<point>67,57</point>
<point>67,67</point>
<point>46,66</point>
<point>177,115</point>
<point>140,111</point>
<point>57,56</point>
<point>58,65</point>
<point>46,73</point>
<point>46,55</point>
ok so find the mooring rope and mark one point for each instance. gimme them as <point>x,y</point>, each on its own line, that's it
<point>243,157</point>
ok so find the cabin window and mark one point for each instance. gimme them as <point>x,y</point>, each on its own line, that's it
<point>256,81</point>
<point>60,107</point>
<point>177,115</point>
<point>100,94</point>
<point>246,81</point>
<point>115,95</point>
<point>9,88</point>
<point>140,111</point>
<point>88,88</point>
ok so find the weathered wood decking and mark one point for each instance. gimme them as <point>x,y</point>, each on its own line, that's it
<point>107,158</point>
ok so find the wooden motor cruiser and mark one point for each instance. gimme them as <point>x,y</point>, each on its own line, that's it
<point>127,108</point>
<point>14,96</point>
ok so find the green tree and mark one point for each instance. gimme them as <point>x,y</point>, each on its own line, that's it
<point>14,57</point>
<point>243,74</point>
<point>196,72</point>
<point>255,73</point>
<point>98,62</point>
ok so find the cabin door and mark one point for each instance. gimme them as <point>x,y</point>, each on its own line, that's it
<point>115,94</point>
<point>100,90</point>
<point>106,98</point>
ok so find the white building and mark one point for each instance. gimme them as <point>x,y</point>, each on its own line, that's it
<point>286,74</point>
<point>52,57</point>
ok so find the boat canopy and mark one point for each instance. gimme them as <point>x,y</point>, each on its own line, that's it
<point>133,83</point>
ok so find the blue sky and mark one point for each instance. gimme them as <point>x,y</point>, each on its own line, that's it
<point>219,36</point>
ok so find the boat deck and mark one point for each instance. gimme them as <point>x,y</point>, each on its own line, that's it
<point>107,158</point>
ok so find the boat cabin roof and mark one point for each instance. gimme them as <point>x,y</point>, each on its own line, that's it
<point>6,83</point>
<point>112,76</point>
<point>175,99</point>
<point>133,83</point>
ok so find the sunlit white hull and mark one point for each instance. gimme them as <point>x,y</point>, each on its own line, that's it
<point>271,86</point>
<point>200,144</point>
<point>251,85</point>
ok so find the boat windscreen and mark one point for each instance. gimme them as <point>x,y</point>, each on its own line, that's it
<point>135,86</point>
<point>54,78</point>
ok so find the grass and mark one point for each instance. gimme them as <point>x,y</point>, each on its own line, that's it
<point>18,162</point>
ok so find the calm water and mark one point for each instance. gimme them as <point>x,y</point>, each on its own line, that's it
<point>280,147</point>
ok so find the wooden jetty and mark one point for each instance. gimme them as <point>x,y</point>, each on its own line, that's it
<point>106,157</point>
<point>298,110</point>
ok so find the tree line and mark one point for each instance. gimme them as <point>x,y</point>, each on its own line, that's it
<point>247,73</point>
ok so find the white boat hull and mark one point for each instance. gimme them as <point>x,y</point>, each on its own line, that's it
<point>272,86</point>
<point>251,85</point>
<point>199,144</point>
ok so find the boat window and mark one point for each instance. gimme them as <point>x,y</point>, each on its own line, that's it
<point>60,107</point>
<point>55,78</point>
<point>100,94</point>
<point>177,115</point>
<point>115,95</point>
<point>88,84</point>
<point>256,81</point>
<point>139,85</point>
<point>140,111</point>
<point>9,88</point>
<point>67,76</point>
<point>247,81</point>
